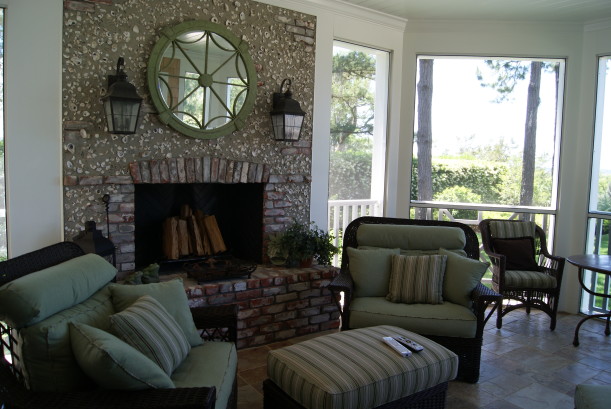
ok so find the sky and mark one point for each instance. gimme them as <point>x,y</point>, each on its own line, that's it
<point>463,109</point>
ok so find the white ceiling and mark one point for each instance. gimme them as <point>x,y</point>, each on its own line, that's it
<point>579,11</point>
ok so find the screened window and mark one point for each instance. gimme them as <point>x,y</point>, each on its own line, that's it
<point>359,94</point>
<point>599,220</point>
<point>3,247</point>
<point>486,138</point>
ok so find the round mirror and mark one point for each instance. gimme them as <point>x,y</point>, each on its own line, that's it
<point>202,79</point>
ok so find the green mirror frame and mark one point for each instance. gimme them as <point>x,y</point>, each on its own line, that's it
<point>212,52</point>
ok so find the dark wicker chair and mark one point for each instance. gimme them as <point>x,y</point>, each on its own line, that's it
<point>467,349</point>
<point>544,299</point>
<point>219,323</point>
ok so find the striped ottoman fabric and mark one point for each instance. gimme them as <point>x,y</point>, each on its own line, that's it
<point>356,370</point>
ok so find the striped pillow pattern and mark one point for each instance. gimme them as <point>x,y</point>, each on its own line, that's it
<point>149,328</point>
<point>512,229</point>
<point>356,370</point>
<point>529,279</point>
<point>417,279</point>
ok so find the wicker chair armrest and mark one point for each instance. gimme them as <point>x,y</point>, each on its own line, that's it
<point>481,294</point>
<point>483,297</point>
<point>343,282</point>
<point>216,318</point>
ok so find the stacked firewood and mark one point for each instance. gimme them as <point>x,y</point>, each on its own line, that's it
<point>191,234</point>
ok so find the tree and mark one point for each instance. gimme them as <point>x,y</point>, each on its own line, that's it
<point>508,74</point>
<point>352,118</point>
<point>352,107</point>
<point>424,137</point>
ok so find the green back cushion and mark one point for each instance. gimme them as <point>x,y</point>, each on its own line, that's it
<point>462,276</point>
<point>411,237</point>
<point>370,271</point>
<point>170,294</point>
<point>47,359</point>
<point>34,297</point>
<point>112,363</point>
<point>416,279</point>
<point>148,327</point>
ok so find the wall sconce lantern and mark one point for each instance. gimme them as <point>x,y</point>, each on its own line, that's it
<point>122,103</point>
<point>287,116</point>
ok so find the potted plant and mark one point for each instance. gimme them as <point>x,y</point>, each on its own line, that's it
<point>299,244</point>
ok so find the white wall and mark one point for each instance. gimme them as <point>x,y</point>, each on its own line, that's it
<point>32,84</point>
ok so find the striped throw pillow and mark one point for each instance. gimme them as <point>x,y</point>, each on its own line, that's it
<point>417,279</point>
<point>149,328</point>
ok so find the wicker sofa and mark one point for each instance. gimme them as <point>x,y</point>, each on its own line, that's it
<point>456,325</point>
<point>41,366</point>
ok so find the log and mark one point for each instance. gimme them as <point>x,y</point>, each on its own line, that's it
<point>197,243</point>
<point>183,238</point>
<point>214,233</point>
<point>185,211</point>
<point>200,216</point>
<point>170,239</point>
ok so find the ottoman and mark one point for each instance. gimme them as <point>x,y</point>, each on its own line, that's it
<point>355,369</point>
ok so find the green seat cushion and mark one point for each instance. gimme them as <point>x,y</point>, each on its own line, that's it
<point>408,237</point>
<point>529,279</point>
<point>592,396</point>
<point>148,327</point>
<point>47,362</point>
<point>112,363</point>
<point>447,319</point>
<point>170,294</point>
<point>370,270</point>
<point>210,364</point>
<point>356,370</point>
<point>34,297</point>
<point>416,279</point>
<point>462,276</point>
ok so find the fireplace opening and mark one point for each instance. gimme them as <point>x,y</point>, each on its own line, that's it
<point>238,209</point>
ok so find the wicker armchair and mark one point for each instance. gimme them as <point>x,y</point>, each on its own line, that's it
<point>539,288</point>
<point>219,323</point>
<point>467,349</point>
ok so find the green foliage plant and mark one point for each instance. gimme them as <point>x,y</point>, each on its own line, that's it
<point>301,242</point>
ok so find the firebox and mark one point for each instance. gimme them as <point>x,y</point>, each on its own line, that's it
<point>237,209</point>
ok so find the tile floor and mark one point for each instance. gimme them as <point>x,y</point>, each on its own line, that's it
<point>524,365</point>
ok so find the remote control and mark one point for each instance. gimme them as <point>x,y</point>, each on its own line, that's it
<point>414,346</point>
<point>401,350</point>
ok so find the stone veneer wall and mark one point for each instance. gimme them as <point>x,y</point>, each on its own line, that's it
<point>98,32</point>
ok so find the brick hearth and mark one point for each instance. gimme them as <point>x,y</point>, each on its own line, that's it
<point>275,303</point>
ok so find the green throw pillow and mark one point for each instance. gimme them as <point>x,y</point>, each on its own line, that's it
<point>417,279</point>
<point>36,296</point>
<point>113,364</point>
<point>171,294</point>
<point>370,271</point>
<point>148,327</point>
<point>462,276</point>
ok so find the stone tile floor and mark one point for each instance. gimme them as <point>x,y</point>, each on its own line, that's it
<point>524,365</point>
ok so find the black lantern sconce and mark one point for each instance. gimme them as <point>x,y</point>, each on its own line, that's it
<point>91,239</point>
<point>122,103</point>
<point>287,115</point>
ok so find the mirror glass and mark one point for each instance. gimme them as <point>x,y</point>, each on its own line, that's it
<point>202,79</point>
